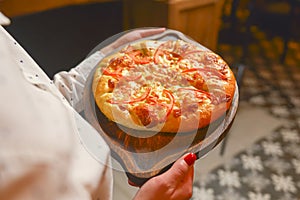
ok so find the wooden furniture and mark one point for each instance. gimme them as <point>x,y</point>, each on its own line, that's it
<point>14,8</point>
<point>199,19</point>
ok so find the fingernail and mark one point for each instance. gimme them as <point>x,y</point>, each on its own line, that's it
<point>190,158</point>
<point>132,183</point>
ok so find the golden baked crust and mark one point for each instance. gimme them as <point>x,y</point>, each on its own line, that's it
<point>164,86</point>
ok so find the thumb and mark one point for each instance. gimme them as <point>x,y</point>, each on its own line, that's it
<point>149,32</point>
<point>181,167</point>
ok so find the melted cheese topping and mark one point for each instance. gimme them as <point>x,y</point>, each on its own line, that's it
<point>156,82</point>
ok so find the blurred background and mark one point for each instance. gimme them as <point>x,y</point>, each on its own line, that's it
<point>59,34</point>
<point>259,39</point>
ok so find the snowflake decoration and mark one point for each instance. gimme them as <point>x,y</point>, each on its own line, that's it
<point>278,165</point>
<point>290,135</point>
<point>270,168</point>
<point>296,165</point>
<point>283,183</point>
<point>258,100</point>
<point>230,194</point>
<point>256,181</point>
<point>280,111</point>
<point>228,178</point>
<point>293,149</point>
<point>203,194</point>
<point>232,163</point>
<point>258,196</point>
<point>286,196</point>
<point>272,137</point>
<point>273,149</point>
<point>288,124</point>
<point>254,149</point>
<point>276,101</point>
<point>206,179</point>
<point>275,98</point>
<point>252,162</point>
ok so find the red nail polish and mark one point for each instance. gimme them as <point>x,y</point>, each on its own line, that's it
<point>190,158</point>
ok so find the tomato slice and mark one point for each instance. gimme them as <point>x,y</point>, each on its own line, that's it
<point>116,66</point>
<point>114,73</point>
<point>191,52</point>
<point>164,107</point>
<point>198,93</point>
<point>206,71</point>
<point>171,56</point>
<point>170,105</point>
<point>157,54</point>
<point>132,77</point>
<point>139,56</point>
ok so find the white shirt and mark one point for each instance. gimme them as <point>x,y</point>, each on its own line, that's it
<point>45,148</point>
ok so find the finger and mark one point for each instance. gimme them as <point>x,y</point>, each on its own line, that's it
<point>190,158</point>
<point>182,167</point>
<point>148,32</point>
<point>189,178</point>
<point>185,187</point>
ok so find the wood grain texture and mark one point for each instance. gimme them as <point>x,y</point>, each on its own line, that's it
<point>145,157</point>
<point>147,154</point>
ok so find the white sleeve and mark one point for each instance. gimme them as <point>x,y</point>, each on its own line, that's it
<point>47,150</point>
<point>71,84</point>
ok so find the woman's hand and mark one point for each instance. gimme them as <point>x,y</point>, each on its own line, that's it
<point>174,184</point>
<point>132,36</point>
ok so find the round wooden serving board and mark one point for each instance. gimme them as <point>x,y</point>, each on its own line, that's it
<point>144,155</point>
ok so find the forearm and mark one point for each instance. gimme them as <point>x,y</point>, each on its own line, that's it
<point>71,84</point>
